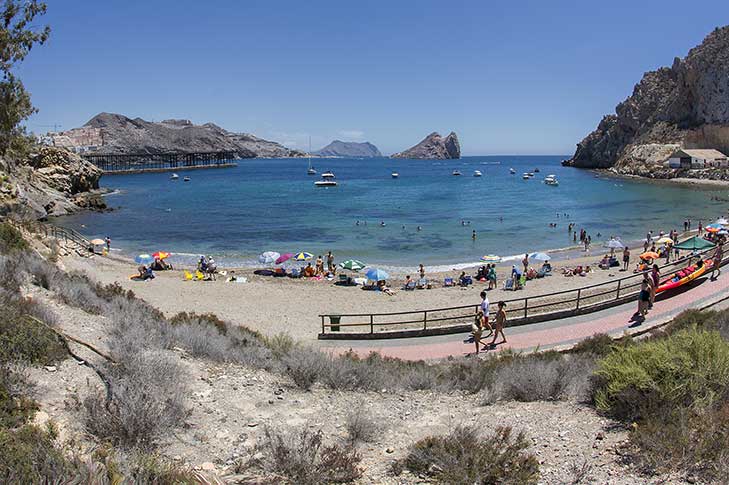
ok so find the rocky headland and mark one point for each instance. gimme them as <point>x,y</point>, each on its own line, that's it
<point>434,146</point>
<point>349,149</point>
<point>682,106</point>
<point>51,182</point>
<point>120,134</point>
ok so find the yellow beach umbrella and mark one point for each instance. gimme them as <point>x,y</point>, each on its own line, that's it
<point>665,240</point>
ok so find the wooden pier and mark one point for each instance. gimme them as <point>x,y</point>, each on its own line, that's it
<point>112,163</point>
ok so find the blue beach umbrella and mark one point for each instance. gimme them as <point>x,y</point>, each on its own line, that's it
<point>303,256</point>
<point>540,257</point>
<point>144,259</point>
<point>376,274</point>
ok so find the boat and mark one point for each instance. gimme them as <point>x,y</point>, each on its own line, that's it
<point>525,176</point>
<point>531,174</point>
<point>174,176</point>
<point>551,180</point>
<point>456,172</point>
<point>186,179</point>
<point>512,171</point>
<point>685,276</point>
<point>477,173</point>
<point>327,180</point>
<point>536,170</point>
<point>395,175</point>
<point>311,170</point>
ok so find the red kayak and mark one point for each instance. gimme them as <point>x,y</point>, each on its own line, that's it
<point>684,276</point>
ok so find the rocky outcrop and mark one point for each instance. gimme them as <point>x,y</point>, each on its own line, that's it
<point>434,146</point>
<point>52,182</point>
<point>349,149</point>
<point>125,135</point>
<point>686,105</point>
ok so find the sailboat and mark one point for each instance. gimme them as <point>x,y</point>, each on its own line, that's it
<point>311,170</point>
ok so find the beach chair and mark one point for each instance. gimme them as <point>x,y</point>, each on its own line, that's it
<point>187,276</point>
<point>199,276</point>
<point>410,285</point>
<point>448,282</point>
<point>509,284</point>
<point>423,284</point>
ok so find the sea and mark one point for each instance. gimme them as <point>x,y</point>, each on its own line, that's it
<point>426,215</point>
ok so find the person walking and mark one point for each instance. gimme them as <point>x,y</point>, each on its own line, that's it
<point>330,262</point>
<point>108,244</point>
<point>626,258</point>
<point>484,307</point>
<point>421,270</point>
<point>644,297</point>
<point>718,256</point>
<point>525,263</point>
<point>500,324</point>
<point>655,279</point>
<point>477,329</point>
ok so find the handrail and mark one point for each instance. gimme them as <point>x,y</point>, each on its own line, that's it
<point>621,289</point>
<point>59,232</point>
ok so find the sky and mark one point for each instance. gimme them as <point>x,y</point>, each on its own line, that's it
<point>528,77</point>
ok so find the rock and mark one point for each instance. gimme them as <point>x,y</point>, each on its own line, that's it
<point>50,368</point>
<point>347,149</point>
<point>600,436</point>
<point>434,146</point>
<point>252,424</point>
<point>390,450</point>
<point>41,418</point>
<point>207,466</point>
<point>684,105</point>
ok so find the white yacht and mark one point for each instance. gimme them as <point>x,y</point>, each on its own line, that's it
<point>512,171</point>
<point>477,173</point>
<point>395,175</point>
<point>456,172</point>
<point>551,180</point>
<point>525,176</point>
<point>174,176</point>
<point>327,180</point>
<point>186,179</point>
<point>311,170</point>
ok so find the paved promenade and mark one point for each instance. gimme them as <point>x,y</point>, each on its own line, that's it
<point>556,334</point>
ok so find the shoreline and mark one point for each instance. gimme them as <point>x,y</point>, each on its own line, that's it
<point>687,181</point>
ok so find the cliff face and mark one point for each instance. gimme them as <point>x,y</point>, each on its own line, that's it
<point>434,146</point>
<point>124,135</point>
<point>686,105</point>
<point>52,182</point>
<point>349,149</point>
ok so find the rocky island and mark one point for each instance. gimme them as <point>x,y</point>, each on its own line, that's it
<point>349,149</point>
<point>682,106</point>
<point>434,146</point>
<point>117,133</point>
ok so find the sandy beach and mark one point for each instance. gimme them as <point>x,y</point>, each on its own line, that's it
<point>292,306</point>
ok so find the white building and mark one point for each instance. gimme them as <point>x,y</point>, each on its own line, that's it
<point>697,158</point>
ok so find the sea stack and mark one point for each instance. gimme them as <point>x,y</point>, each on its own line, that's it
<point>682,106</point>
<point>434,146</point>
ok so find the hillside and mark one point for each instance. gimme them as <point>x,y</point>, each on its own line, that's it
<point>685,105</point>
<point>349,149</point>
<point>434,146</point>
<point>121,134</point>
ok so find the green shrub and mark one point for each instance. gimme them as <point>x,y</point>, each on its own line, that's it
<point>15,409</point>
<point>690,367</point>
<point>27,340</point>
<point>465,457</point>
<point>11,240</point>
<point>690,319</point>
<point>599,344</point>
<point>29,455</point>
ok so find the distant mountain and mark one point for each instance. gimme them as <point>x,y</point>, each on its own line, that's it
<point>434,146</point>
<point>125,135</point>
<point>349,149</point>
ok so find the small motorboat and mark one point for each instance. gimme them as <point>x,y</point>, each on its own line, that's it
<point>186,179</point>
<point>551,180</point>
<point>311,171</point>
<point>395,175</point>
<point>327,180</point>
<point>477,173</point>
<point>685,276</point>
<point>536,170</point>
<point>531,174</point>
<point>512,171</point>
<point>525,176</point>
<point>174,176</point>
<point>456,172</point>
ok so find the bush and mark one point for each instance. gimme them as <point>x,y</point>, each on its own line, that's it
<point>29,455</point>
<point>25,339</point>
<point>302,458</point>
<point>599,344</point>
<point>11,240</point>
<point>361,426</point>
<point>15,409</point>
<point>305,366</point>
<point>75,290</point>
<point>464,457</point>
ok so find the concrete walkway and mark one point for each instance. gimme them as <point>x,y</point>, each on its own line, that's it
<point>556,334</point>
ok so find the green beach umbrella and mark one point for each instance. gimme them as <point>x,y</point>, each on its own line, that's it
<point>352,264</point>
<point>693,244</point>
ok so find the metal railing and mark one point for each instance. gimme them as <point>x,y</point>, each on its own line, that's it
<point>520,311</point>
<point>62,234</point>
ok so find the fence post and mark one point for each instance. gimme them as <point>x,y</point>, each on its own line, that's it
<point>322,324</point>
<point>372,323</point>
<point>526,303</point>
<point>425,320</point>
<point>579,292</point>
<point>617,296</point>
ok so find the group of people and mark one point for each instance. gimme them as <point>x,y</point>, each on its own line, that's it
<point>487,273</point>
<point>481,323</point>
<point>318,269</point>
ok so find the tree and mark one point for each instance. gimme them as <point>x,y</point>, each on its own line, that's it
<point>18,35</point>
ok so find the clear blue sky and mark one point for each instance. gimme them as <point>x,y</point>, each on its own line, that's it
<point>532,78</point>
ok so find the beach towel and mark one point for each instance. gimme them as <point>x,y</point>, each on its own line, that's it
<point>187,276</point>
<point>448,282</point>
<point>199,275</point>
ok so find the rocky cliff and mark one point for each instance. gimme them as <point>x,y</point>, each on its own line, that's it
<point>125,135</point>
<point>686,105</point>
<point>434,146</point>
<point>350,149</point>
<point>52,182</point>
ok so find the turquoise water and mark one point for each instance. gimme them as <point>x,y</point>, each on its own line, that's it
<point>237,213</point>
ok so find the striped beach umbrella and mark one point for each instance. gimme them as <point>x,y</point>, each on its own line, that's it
<point>714,228</point>
<point>303,256</point>
<point>352,265</point>
<point>491,258</point>
<point>268,257</point>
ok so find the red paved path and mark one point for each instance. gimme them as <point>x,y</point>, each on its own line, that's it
<point>557,333</point>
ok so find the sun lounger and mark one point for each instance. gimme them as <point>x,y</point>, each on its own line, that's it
<point>410,285</point>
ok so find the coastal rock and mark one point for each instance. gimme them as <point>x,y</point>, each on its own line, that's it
<point>434,146</point>
<point>120,134</point>
<point>349,149</point>
<point>685,105</point>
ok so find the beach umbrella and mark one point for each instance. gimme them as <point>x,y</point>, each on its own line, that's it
<point>714,228</point>
<point>614,244</point>
<point>491,258</point>
<point>352,264</point>
<point>161,255</point>
<point>723,232</point>
<point>97,242</point>
<point>650,255</point>
<point>722,221</point>
<point>693,244</point>
<point>540,257</point>
<point>284,257</point>
<point>665,240</point>
<point>376,274</point>
<point>268,257</point>
<point>144,259</point>
<point>303,256</point>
